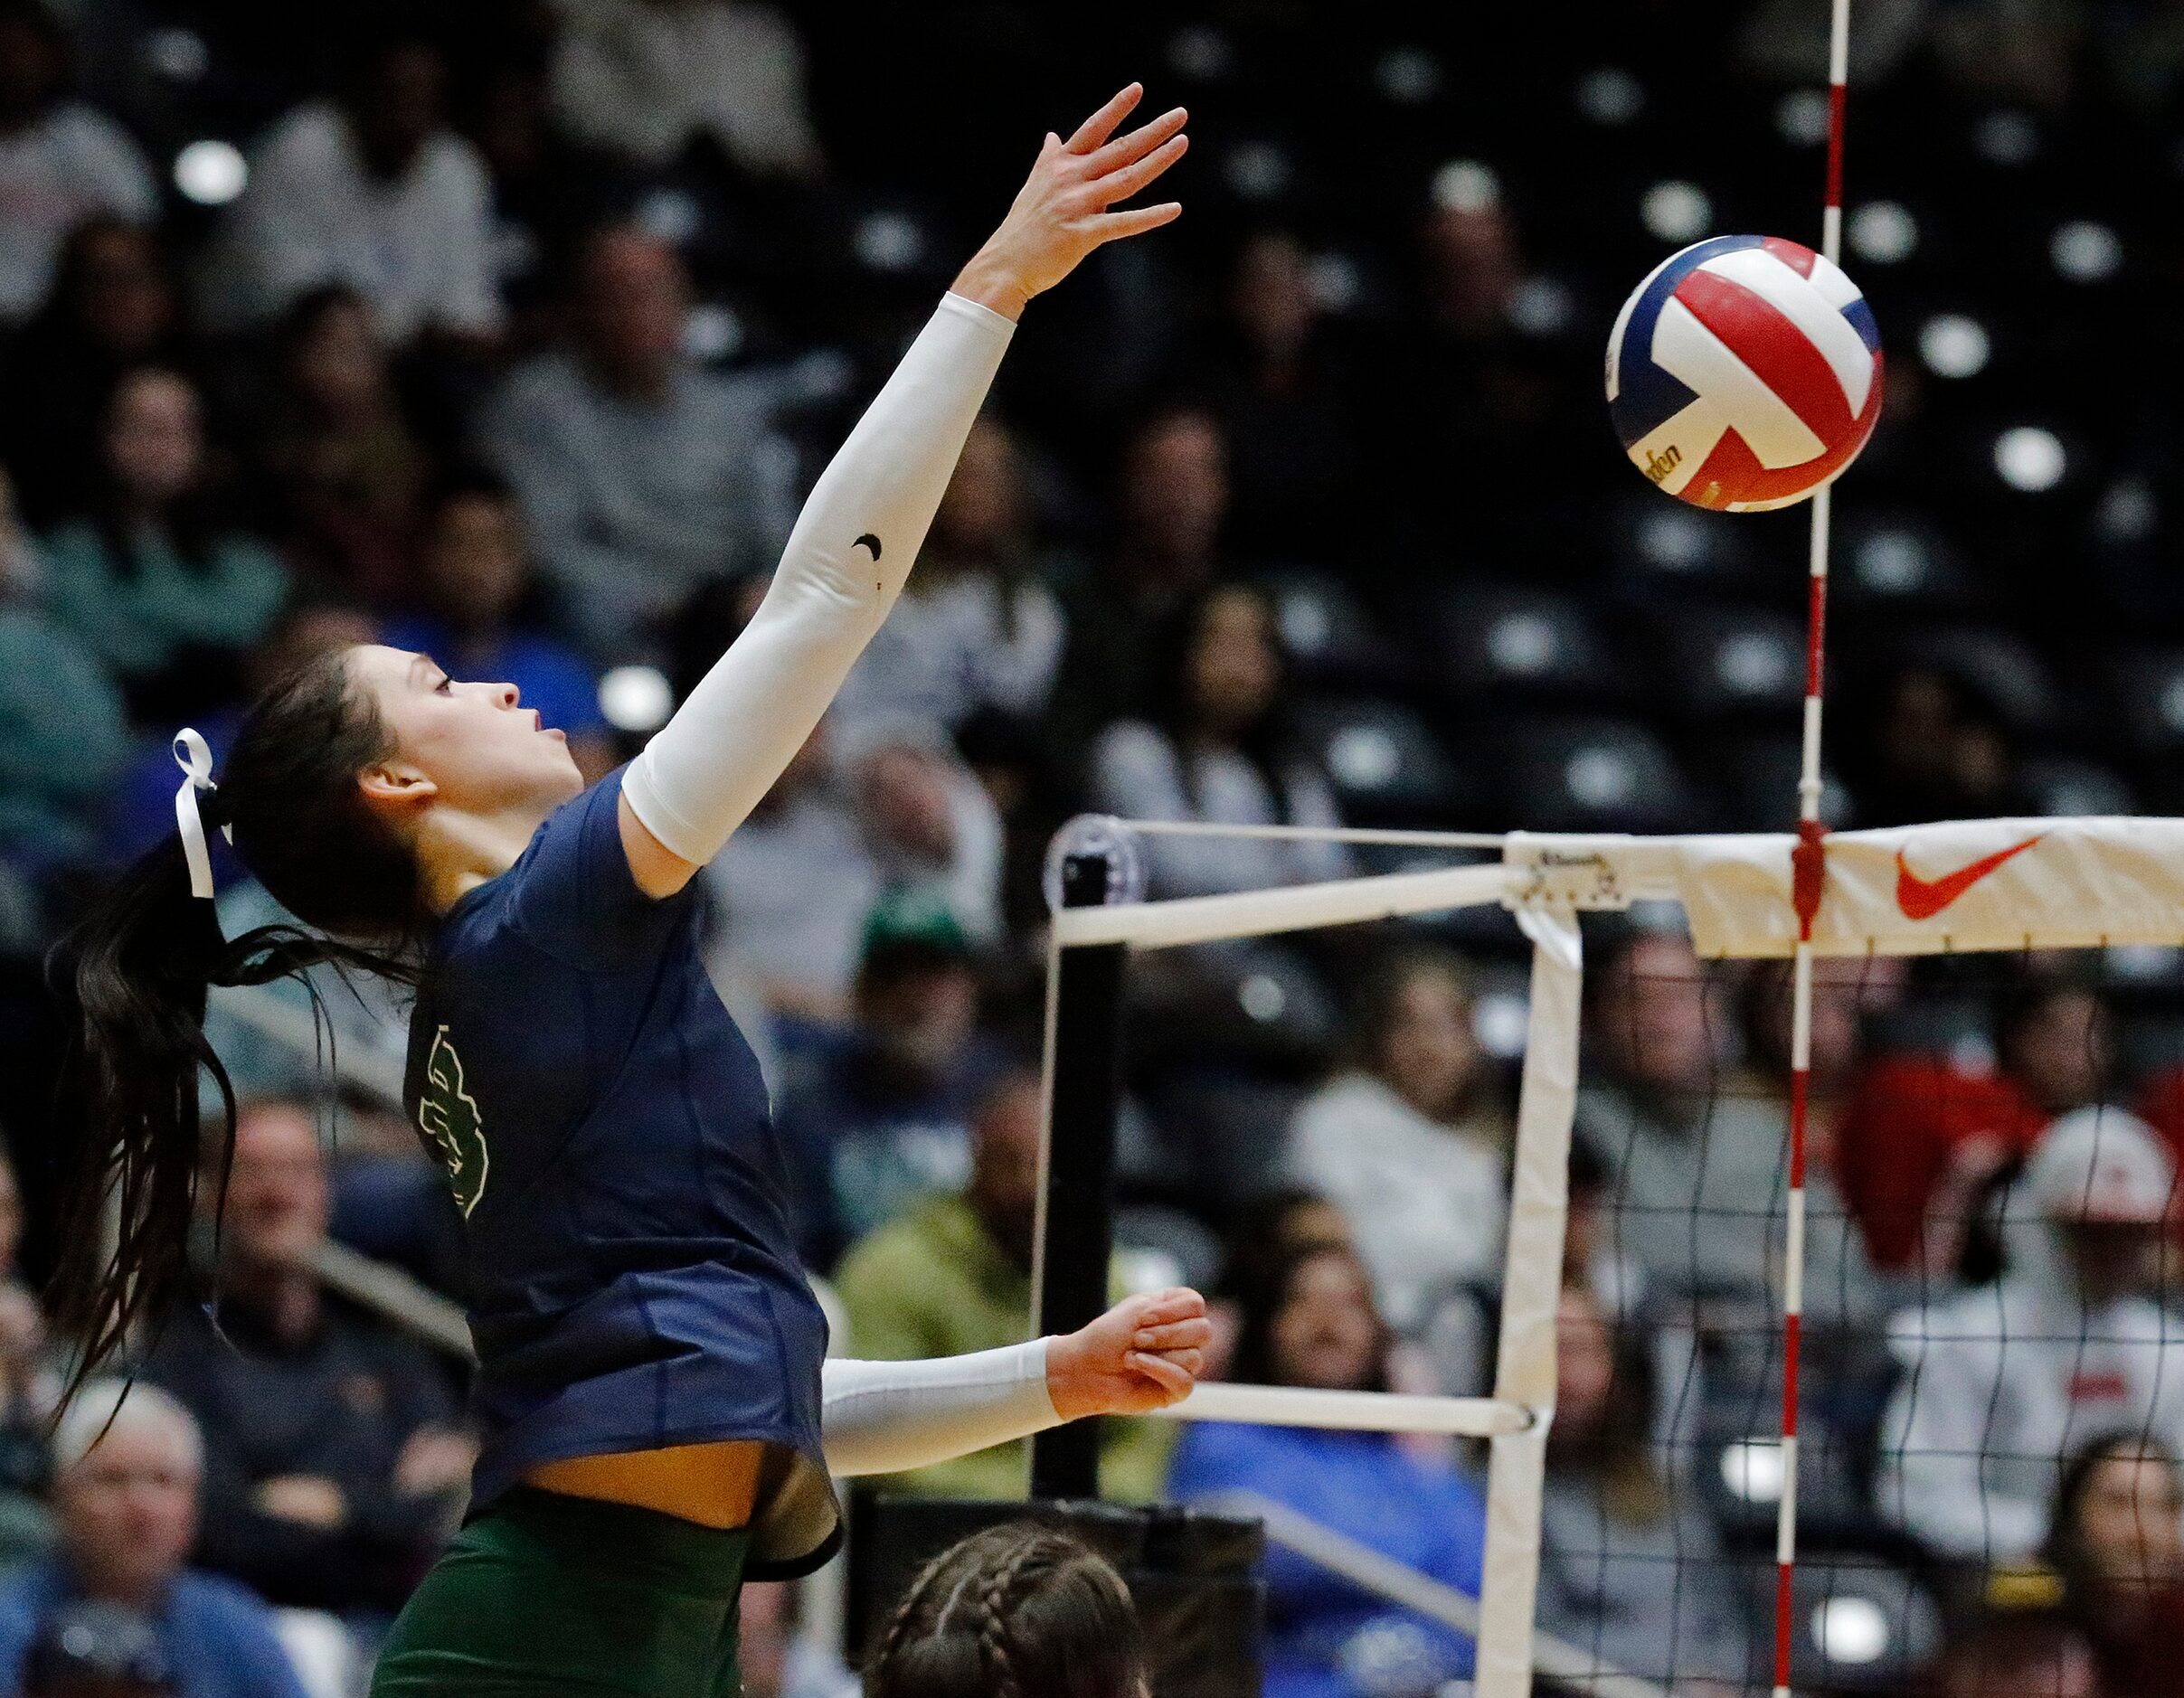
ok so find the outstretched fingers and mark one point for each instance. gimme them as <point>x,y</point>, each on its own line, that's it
<point>1095,130</point>
<point>1120,185</point>
<point>1129,149</point>
<point>1115,226</point>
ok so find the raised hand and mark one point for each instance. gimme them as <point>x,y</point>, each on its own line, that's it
<point>1144,1353</point>
<point>1065,208</point>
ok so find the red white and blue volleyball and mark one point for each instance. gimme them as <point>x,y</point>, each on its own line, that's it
<point>1745,373</point>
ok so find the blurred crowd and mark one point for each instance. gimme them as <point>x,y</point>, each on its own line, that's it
<point>514,332</point>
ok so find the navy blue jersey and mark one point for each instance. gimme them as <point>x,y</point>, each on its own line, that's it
<point>633,1278</point>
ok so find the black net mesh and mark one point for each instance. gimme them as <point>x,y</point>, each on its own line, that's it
<point>1991,1391</point>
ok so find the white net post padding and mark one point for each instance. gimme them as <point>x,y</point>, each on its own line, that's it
<point>1524,1373</point>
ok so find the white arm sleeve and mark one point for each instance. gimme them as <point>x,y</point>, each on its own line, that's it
<point>886,1417</point>
<point>845,564</point>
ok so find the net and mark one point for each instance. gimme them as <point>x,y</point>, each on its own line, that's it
<point>1965,1315</point>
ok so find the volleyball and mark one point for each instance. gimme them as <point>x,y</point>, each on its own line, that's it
<point>1745,373</point>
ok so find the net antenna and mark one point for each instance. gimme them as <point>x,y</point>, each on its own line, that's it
<point>1808,877</point>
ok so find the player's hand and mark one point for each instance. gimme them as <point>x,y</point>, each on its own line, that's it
<point>1144,1353</point>
<point>1065,208</point>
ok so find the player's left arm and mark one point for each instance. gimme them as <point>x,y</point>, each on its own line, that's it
<point>889,1417</point>
<point>853,545</point>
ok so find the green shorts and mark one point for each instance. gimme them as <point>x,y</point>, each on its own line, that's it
<point>549,1594</point>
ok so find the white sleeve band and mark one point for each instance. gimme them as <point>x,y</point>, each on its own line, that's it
<point>845,562</point>
<point>887,1417</point>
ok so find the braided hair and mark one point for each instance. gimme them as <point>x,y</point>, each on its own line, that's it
<point>1016,1611</point>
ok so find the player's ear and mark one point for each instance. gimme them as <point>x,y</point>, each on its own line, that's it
<point>396,783</point>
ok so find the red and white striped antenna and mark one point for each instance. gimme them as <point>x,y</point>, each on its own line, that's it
<point>1809,875</point>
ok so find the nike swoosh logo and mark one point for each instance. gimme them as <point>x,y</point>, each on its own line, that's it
<point>870,541</point>
<point>1922,899</point>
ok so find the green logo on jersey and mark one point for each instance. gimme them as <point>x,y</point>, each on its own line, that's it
<point>447,1116</point>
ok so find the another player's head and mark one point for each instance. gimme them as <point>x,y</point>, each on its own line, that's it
<point>1016,1611</point>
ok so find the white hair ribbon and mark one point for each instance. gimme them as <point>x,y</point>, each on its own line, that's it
<point>194,756</point>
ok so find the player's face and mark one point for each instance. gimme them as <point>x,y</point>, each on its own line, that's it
<point>483,751</point>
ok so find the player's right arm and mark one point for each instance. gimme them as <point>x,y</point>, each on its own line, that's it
<point>853,545</point>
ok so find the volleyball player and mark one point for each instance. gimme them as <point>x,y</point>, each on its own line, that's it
<point>658,1424</point>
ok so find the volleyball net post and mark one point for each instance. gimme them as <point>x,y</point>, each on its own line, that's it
<point>1074,1236</point>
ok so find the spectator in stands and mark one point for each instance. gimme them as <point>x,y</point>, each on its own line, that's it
<point>644,477</point>
<point>92,1650</point>
<point>882,1116</point>
<point>112,306</point>
<point>1933,747</point>
<point>1217,750</point>
<point>63,725</point>
<point>143,803</point>
<point>793,888</point>
<point>1172,506</point>
<point>165,595</point>
<point>1308,1320</point>
<point>2018,1652</point>
<point>887,806</point>
<point>2117,1538</point>
<point>30,1388</point>
<point>1923,1136</point>
<point>780,1655</point>
<point>1411,1142</point>
<point>954,1274</point>
<point>1285,391</point>
<point>1630,1572</point>
<point>1461,1340</point>
<point>976,634</point>
<point>341,467</point>
<point>1847,993</point>
<point>61,161</point>
<point>372,190</point>
<point>2005,1381</point>
<point>1265,1232</point>
<point>1697,1173</point>
<point>1478,377</point>
<point>478,615</point>
<point>129,1462</point>
<point>644,79</point>
<point>333,1464</point>
<point>929,824</point>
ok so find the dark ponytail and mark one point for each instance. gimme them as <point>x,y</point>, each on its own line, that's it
<point>1016,1611</point>
<point>134,972</point>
